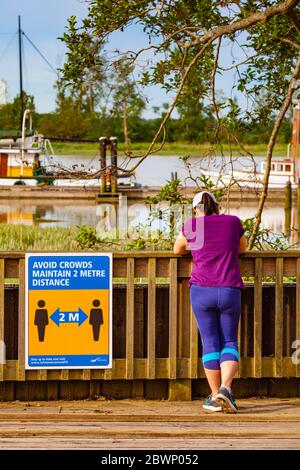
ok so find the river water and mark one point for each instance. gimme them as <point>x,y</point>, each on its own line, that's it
<point>154,171</point>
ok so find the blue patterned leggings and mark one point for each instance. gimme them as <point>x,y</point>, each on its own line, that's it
<point>217,311</point>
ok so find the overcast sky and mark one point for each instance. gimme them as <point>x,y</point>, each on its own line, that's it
<point>44,21</point>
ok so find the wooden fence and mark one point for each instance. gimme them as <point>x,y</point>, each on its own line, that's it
<point>155,335</point>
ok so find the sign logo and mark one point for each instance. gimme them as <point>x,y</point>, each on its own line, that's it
<point>68,310</point>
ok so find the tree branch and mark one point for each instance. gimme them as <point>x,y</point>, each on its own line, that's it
<point>234,66</point>
<point>251,20</point>
<point>291,43</point>
<point>272,140</point>
<point>173,104</point>
<point>292,14</point>
<point>213,86</point>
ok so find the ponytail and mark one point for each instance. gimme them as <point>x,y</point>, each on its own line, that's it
<point>208,205</point>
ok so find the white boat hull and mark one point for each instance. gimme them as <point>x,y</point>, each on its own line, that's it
<point>247,179</point>
<point>18,181</point>
<point>77,182</point>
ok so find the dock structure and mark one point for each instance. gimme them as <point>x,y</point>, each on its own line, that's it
<point>275,196</point>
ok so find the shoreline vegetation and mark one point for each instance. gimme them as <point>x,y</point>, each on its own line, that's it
<point>179,149</point>
<point>19,237</point>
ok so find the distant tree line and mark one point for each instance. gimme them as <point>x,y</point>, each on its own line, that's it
<point>195,124</point>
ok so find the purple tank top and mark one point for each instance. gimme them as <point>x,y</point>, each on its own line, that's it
<point>214,244</point>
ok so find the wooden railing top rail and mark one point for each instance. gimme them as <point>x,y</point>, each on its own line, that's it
<point>162,254</point>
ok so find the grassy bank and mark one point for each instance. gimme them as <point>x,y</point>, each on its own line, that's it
<point>27,237</point>
<point>176,148</point>
<point>19,237</point>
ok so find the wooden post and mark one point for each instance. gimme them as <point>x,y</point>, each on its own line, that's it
<point>194,359</point>
<point>151,318</point>
<point>257,319</point>
<point>288,208</point>
<point>238,374</point>
<point>278,318</point>
<point>298,309</point>
<point>21,325</point>
<point>114,164</point>
<point>130,320</point>
<point>102,144</point>
<point>298,211</point>
<point>173,319</point>
<point>2,344</point>
<point>179,389</point>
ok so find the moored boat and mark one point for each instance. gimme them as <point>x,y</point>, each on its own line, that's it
<point>282,171</point>
<point>19,155</point>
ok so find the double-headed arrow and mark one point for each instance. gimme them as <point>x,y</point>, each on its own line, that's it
<point>59,317</point>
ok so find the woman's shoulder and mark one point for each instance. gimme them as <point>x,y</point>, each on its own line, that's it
<point>231,217</point>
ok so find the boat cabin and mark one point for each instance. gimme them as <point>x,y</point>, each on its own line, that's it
<point>285,166</point>
<point>19,154</point>
<point>14,165</point>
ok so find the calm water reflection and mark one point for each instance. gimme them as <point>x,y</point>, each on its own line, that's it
<point>62,213</point>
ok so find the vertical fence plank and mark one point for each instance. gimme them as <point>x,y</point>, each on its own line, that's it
<point>287,321</point>
<point>298,310</point>
<point>173,319</point>
<point>21,320</point>
<point>2,346</point>
<point>194,353</point>
<point>130,320</point>
<point>278,317</point>
<point>42,374</point>
<point>258,318</point>
<point>64,374</point>
<point>86,374</point>
<point>245,331</point>
<point>239,371</point>
<point>180,308</point>
<point>151,318</point>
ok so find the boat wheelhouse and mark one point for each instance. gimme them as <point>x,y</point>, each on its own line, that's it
<point>19,156</point>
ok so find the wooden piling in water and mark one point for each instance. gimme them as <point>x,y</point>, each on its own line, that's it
<point>114,169</point>
<point>103,143</point>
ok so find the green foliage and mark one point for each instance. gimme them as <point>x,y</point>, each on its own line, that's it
<point>170,192</point>
<point>136,244</point>
<point>10,112</point>
<point>84,71</point>
<point>66,123</point>
<point>86,237</point>
<point>265,238</point>
<point>177,33</point>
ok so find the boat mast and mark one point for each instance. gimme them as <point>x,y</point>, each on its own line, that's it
<point>21,73</point>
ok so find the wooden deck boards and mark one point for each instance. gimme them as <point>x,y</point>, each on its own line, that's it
<point>140,424</point>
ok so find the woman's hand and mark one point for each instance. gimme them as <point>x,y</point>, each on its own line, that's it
<point>180,245</point>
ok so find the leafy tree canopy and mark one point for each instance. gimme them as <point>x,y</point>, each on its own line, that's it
<point>187,39</point>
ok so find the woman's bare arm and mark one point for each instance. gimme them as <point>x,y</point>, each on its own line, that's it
<point>180,245</point>
<point>243,244</point>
